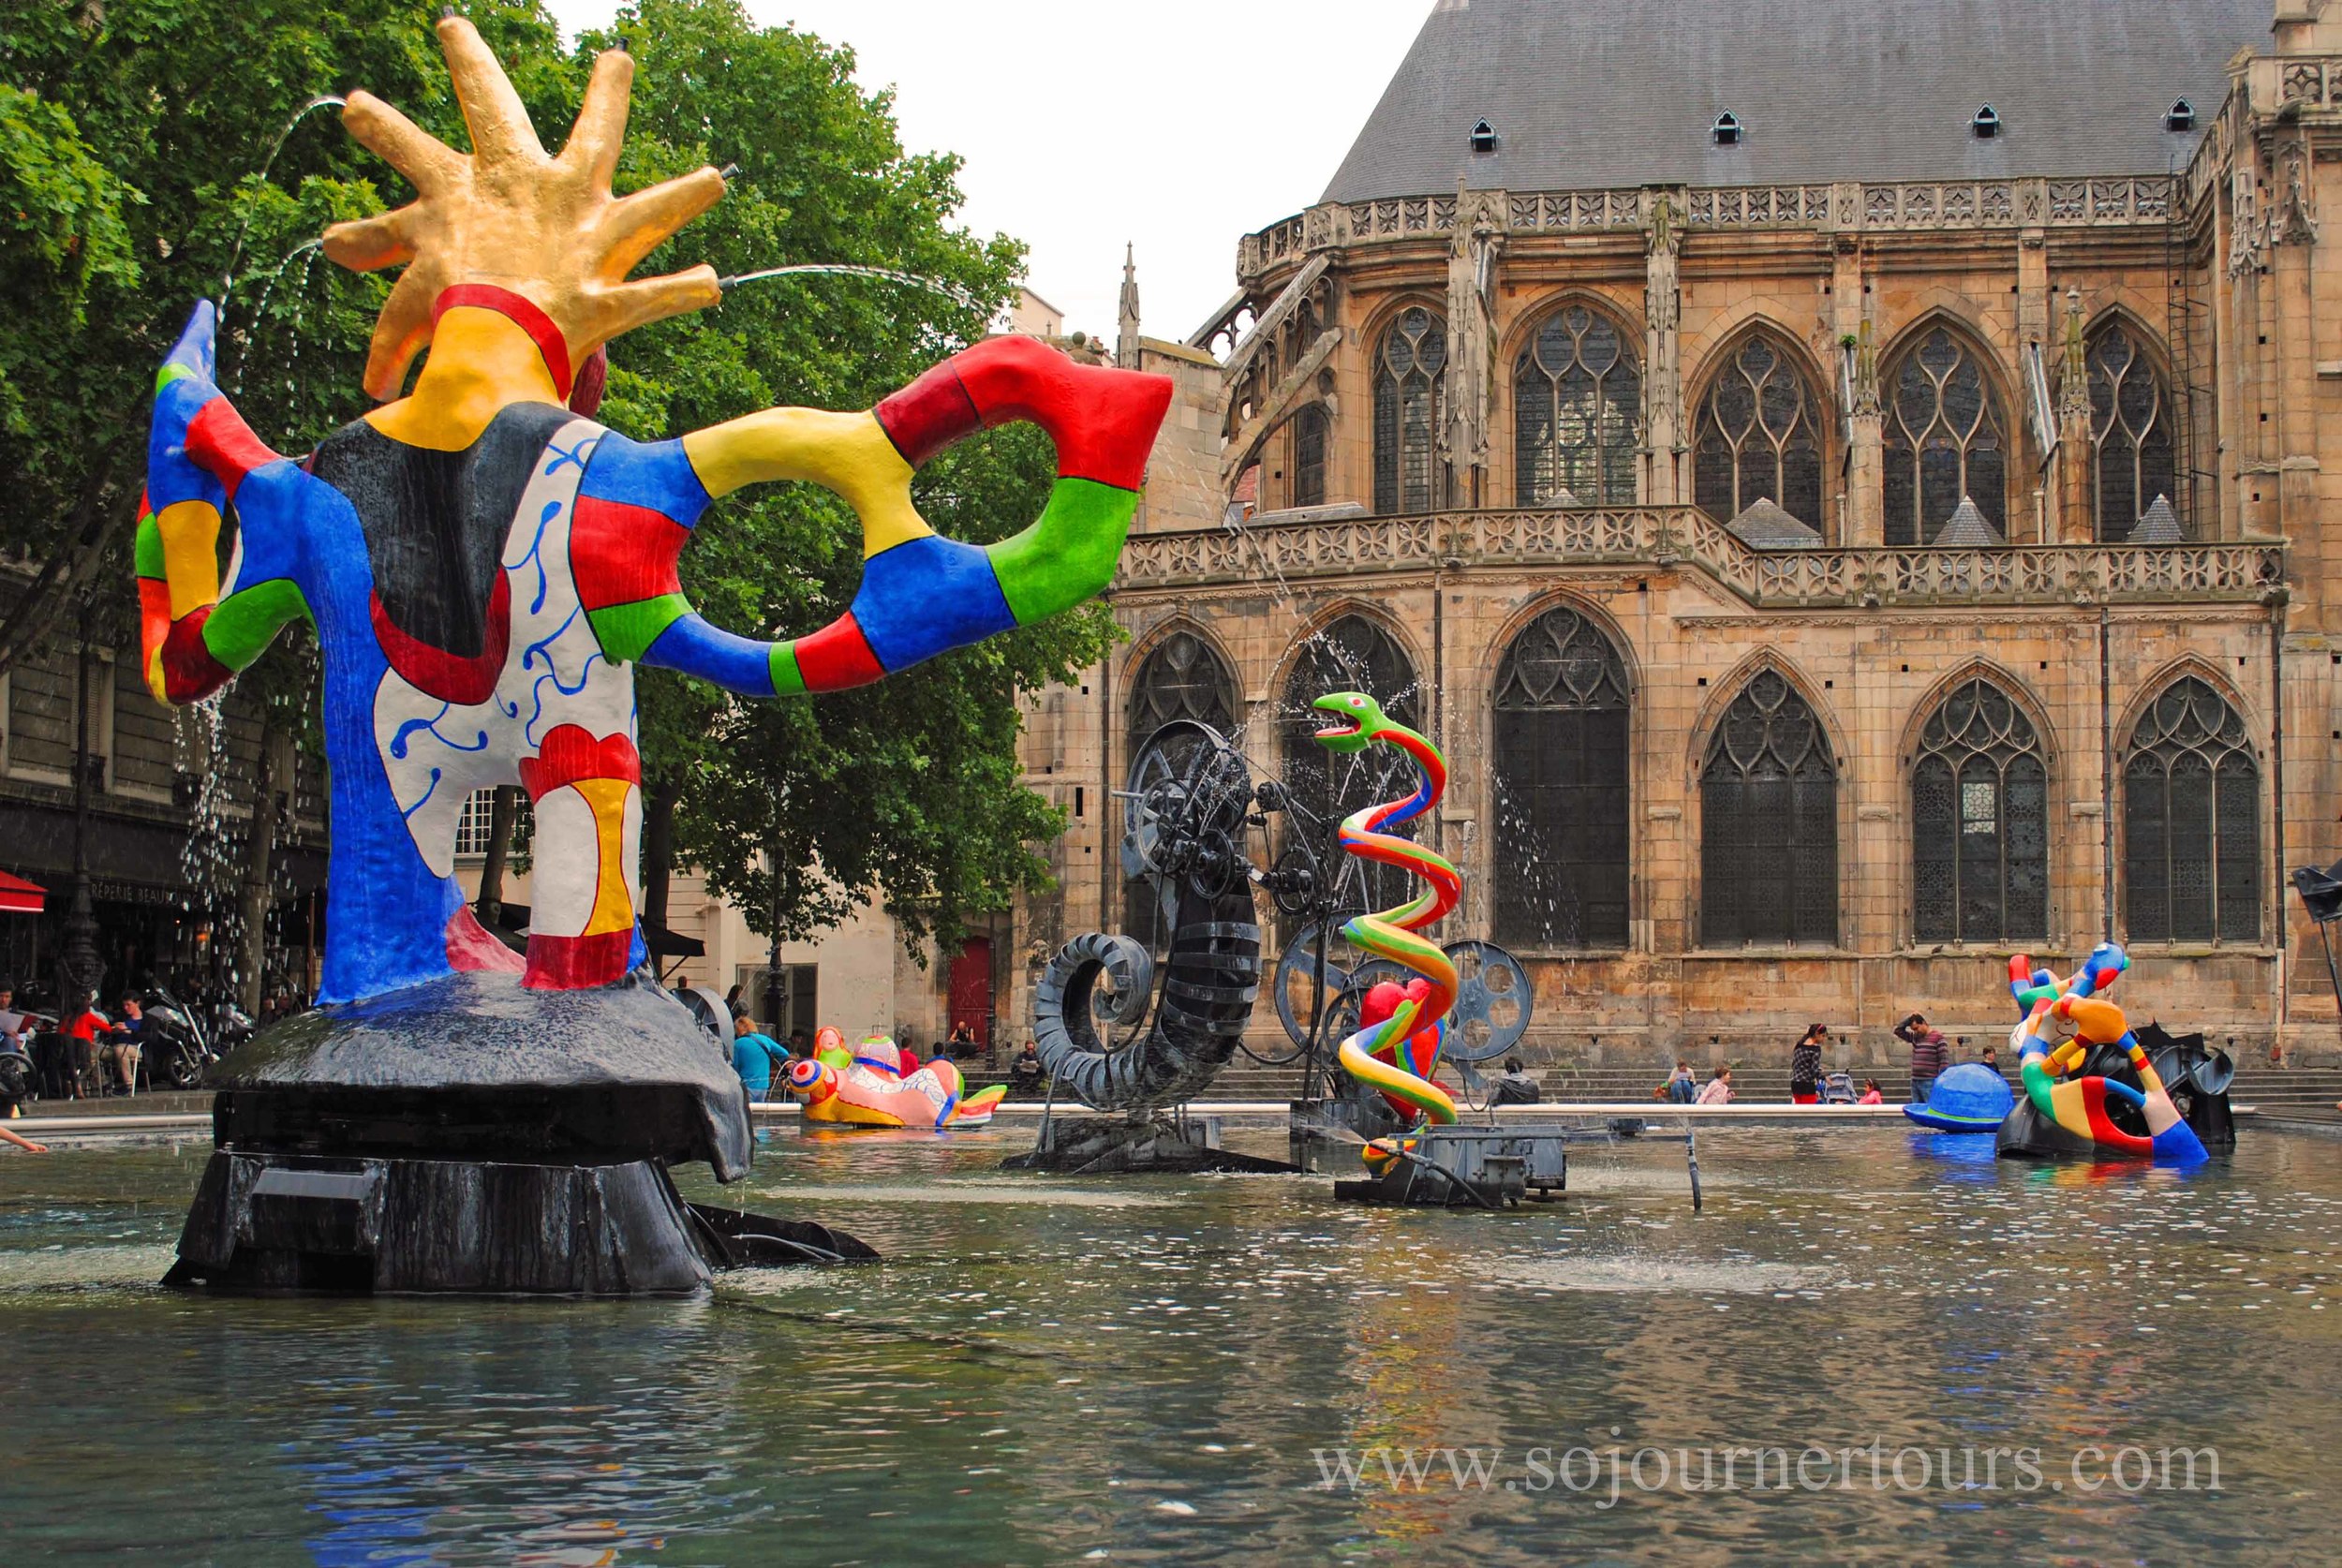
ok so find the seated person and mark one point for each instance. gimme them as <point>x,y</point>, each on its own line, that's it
<point>119,1051</point>
<point>1026,1073</point>
<point>1719,1089</point>
<point>1872,1094</point>
<point>1516,1085</point>
<point>754,1055</point>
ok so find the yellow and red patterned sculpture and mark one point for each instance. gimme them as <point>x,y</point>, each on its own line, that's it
<point>484,564</point>
<point>878,1084</point>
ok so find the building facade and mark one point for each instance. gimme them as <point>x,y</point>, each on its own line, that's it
<point>1842,483</point>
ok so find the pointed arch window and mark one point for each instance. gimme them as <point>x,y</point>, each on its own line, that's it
<point>1945,440</point>
<point>1309,456</point>
<point>1410,375</point>
<point>2191,821</point>
<point>1758,436</point>
<point>1576,399</point>
<point>1768,823</point>
<point>2132,458</point>
<point>1561,796</point>
<point>1352,654</point>
<point>1980,822</point>
<point>1182,678</point>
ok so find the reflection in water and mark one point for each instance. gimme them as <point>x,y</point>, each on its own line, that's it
<point>1158,1369</point>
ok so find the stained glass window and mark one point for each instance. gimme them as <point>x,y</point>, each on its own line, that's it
<point>2130,431</point>
<point>1182,678</point>
<point>1560,798</point>
<point>1309,456</point>
<point>1409,376</point>
<point>1980,822</point>
<point>1577,400</point>
<point>1768,823</point>
<point>1758,435</point>
<point>1944,440</point>
<point>2191,821</point>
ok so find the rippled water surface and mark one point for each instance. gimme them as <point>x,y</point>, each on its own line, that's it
<point>1166,1370</point>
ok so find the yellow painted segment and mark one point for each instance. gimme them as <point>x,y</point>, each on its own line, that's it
<point>190,531</point>
<point>2072,1115</point>
<point>848,453</point>
<point>155,673</point>
<point>481,363</point>
<point>613,907</point>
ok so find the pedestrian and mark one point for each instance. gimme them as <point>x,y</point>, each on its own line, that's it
<point>754,1055</point>
<point>1805,1066</point>
<point>731,1002</point>
<point>800,1044</point>
<point>14,1031</point>
<point>1991,1057</point>
<point>1683,1084</point>
<point>121,1049</point>
<point>81,1029</point>
<point>1026,1073</point>
<point>1872,1093</point>
<point>1719,1089</point>
<point>1516,1086</point>
<point>1930,1056</point>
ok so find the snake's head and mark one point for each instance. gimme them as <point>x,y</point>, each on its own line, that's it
<point>1362,720</point>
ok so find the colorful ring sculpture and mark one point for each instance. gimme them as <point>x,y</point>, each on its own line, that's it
<point>878,1084</point>
<point>484,564</point>
<point>1395,1054</point>
<point>2062,1020</point>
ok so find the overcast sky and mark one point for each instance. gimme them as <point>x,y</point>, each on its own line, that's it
<point>1176,126</point>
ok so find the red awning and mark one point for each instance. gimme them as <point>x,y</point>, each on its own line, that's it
<point>20,896</point>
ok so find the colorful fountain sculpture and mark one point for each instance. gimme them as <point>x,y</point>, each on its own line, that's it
<point>878,1084</point>
<point>1404,1028</point>
<point>2091,1086</point>
<point>484,565</point>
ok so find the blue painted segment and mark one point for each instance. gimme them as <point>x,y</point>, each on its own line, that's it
<point>926,596</point>
<point>696,649</point>
<point>653,474</point>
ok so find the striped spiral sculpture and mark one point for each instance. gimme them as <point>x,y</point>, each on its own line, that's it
<point>1396,1055</point>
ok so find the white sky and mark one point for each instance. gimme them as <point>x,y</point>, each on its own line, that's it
<point>1084,123</point>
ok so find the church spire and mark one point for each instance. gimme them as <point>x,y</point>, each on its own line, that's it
<point>1126,330</point>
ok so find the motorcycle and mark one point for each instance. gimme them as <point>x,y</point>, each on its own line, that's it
<point>180,1043</point>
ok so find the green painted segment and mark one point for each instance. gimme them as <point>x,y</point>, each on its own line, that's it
<point>169,373</point>
<point>1069,553</point>
<point>788,680</point>
<point>242,624</point>
<point>625,632</point>
<point>150,549</point>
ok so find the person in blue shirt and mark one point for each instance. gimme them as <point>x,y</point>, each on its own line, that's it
<point>754,1055</point>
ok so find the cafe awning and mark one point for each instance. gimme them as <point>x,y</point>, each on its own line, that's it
<point>19,897</point>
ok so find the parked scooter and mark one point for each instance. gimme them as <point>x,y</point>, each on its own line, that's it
<point>179,1043</point>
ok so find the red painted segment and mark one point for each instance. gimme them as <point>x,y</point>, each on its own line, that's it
<point>928,415</point>
<point>190,671</point>
<point>620,553</point>
<point>220,443</point>
<point>1104,420</point>
<point>436,672</point>
<point>575,963</point>
<point>570,754</point>
<point>522,313</point>
<point>472,947</point>
<point>837,656</point>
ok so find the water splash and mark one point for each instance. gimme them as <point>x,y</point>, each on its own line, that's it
<point>235,253</point>
<point>851,268</point>
<point>310,249</point>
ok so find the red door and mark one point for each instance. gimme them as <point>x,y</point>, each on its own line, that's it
<point>970,990</point>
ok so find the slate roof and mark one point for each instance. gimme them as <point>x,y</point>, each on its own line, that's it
<point>1967,528</point>
<point>1588,93</point>
<point>1762,526</point>
<point>2157,524</point>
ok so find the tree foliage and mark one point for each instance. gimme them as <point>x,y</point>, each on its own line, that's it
<point>132,140</point>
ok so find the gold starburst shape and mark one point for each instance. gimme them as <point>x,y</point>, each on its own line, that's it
<point>508,214</point>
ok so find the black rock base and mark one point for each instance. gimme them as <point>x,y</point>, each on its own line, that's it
<point>356,1226</point>
<point>1120,1145</point>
